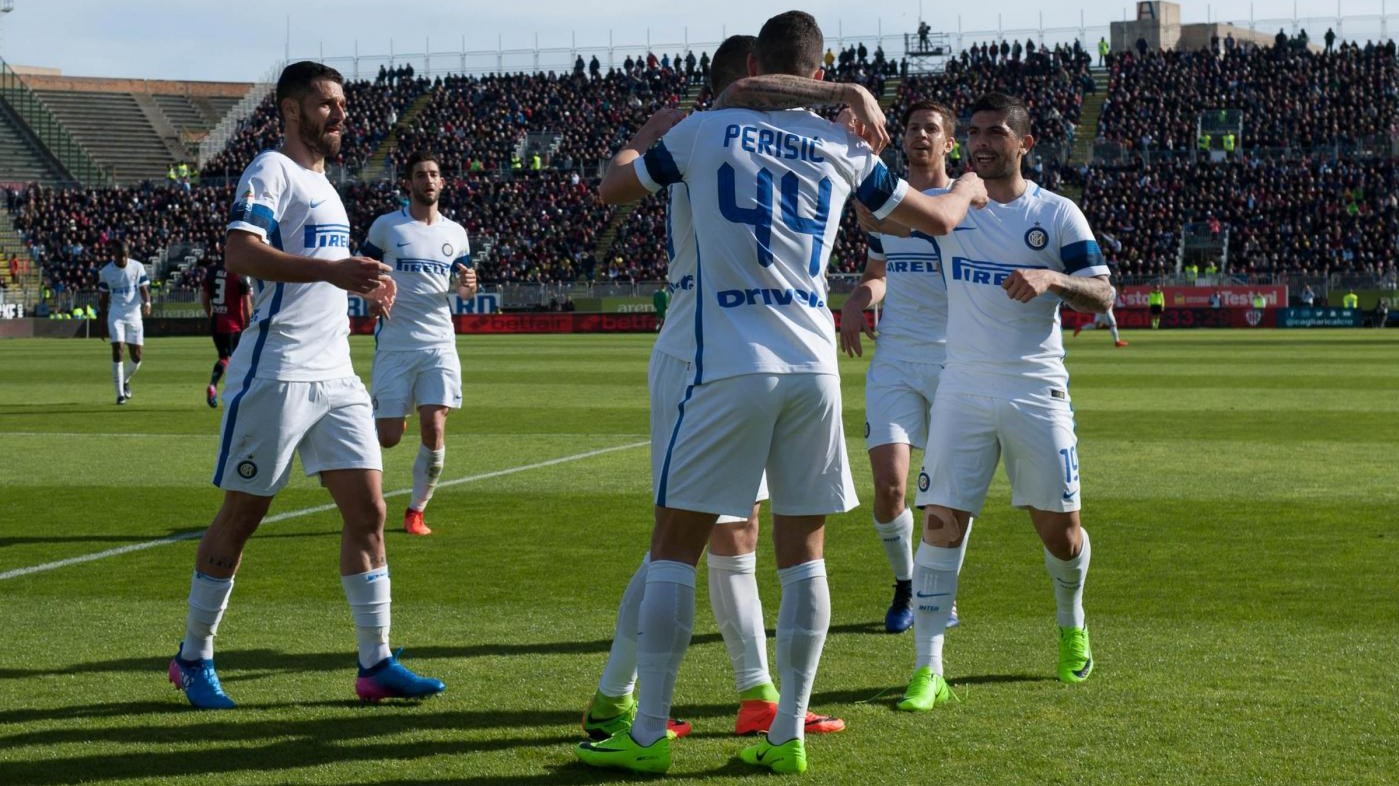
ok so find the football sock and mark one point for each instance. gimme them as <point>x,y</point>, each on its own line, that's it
<point>132,366</point>
<point>116,377</point>
<point>427,468</point>
<point>733,593</point>
<point>897,538</point>
<point>368,594</point>
<point>208,597</point>
<point>1068,577</point>
<point>802,621</point>
<point>935,572</point>
<point>667,616</point>
<point>765,692</point>
<point>217,373</point>
<point>619,675</point>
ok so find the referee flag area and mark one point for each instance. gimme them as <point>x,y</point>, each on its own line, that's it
<point>1239,486</point>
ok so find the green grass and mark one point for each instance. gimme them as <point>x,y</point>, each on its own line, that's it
<point>1239,487</point>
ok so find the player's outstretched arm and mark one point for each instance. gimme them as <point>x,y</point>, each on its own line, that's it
<point>621,185</point>
<point>885,226</point>
<point>939,215</point>
<point>1091,294</point>
<point>786,91</point>
<point>247,254</point>
<point>870,290</point>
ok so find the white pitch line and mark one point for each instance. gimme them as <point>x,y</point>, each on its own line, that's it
<point>291,514</point>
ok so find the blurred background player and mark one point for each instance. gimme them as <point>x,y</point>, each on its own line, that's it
<point>1004,389</point>
<point>770,398</point>
<point>228,302</point>
<point>124,297</point>
<point>296,391</point>
<point>904,270</point>
<point>1107,320</point>
<point>415,356</point>
<point>733,542</point>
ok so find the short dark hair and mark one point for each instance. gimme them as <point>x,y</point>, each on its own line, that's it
<point>295,81</point>
<point>418,157</point>
<point>730,62</point>
<point>1017,114</point>
<point>929,105</point>
<point>790,43</point>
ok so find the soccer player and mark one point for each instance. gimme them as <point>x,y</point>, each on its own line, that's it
<point>905,271</point>
<point>1107,320</point>
<point>761,390</point>
<point>415,357</point>
<point>228,302</point>
<point>124,296</point>
<point>1004,389</point>
<point>733,542</point>
<point>296,391</point>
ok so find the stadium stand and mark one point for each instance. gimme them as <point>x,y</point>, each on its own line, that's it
<point>135,128</point>
<point>1290,98</point>
<point>1331,198</point>
<point>22,158</point>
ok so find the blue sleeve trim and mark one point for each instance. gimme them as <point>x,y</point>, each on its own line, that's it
<point>1080,255</point>
<point>660,165</point>
<point>464,261</point>
<point>875,244</point>
<point>877,188</point>
<point>255,214</point>
<point>372,251</point>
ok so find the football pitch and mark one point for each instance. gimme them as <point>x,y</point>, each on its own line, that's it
<point>1240,488</point>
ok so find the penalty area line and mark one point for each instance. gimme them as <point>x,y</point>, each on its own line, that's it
<point>291,514</point>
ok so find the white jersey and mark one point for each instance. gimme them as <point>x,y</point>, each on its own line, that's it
<point>677,336</point>
<point>766,191</point>
<point>996,346</point>
<point>299,332</point>
<point>913,323</point>
<point>123,288</point>
<point>424,259</point>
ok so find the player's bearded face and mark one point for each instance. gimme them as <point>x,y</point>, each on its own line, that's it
<point>322,119</point>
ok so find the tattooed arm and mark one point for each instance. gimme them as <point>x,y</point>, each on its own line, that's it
<point>785,91</point>
<point>1091,294</point>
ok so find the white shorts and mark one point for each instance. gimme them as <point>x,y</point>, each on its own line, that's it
<point>898,396</point>
<point>126,331</point>
<point>406,380</point>
<point>1038,441</point>
<point>266,421</point>
<point>668,376</point>
<point>726,432</point>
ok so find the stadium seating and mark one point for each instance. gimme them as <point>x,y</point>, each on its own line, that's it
<point>1332,198</point>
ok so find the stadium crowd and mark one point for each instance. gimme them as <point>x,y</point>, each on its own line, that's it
<point>520,153</point>
<point>1319,215</point>
<point>1290,97</point>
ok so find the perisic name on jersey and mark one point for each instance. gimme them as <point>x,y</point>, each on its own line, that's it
<point>774,143</point>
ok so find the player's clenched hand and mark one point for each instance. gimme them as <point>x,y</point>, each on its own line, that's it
<point>867,117</point>
<point>1027,284</point>
<point>970,184</point>
<point>359,275</point>
<point>466,282</point>
<point>852,324</point>
<point>655,127</point>
<point>381,298</point>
